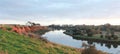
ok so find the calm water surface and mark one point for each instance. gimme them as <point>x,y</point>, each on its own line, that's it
<point>59,37</point>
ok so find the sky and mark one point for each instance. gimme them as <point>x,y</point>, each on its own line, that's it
<point>48,12</point>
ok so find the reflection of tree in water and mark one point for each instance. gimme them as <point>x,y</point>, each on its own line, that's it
<point>108,45</point>
<point>90,49</point>
<point>89,42</point>
<point>101,44</point>
<point>115,45</point>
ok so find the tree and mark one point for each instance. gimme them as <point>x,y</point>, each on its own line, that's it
<point>112,33</point>
<point>89,32</point>
<point>115,37</point>
<point>107,25</point>
<point>101,36</point>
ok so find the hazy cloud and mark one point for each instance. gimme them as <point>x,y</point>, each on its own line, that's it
<point>54,10</point>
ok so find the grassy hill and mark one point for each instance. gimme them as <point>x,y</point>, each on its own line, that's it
<point>13,43</point>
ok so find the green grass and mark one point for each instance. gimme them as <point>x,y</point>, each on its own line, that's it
<point>14,43</point>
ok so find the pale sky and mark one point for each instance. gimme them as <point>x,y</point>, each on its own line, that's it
<point>48,12</point>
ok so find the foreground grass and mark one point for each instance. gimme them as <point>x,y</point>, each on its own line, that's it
<point>13,43</point>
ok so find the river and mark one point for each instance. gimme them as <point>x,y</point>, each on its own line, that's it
<point>59,37</point>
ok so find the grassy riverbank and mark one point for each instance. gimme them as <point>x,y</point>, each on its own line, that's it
<point>13,43</point>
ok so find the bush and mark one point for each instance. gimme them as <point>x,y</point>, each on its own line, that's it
<point>9,28</point>
<point>92,50</point>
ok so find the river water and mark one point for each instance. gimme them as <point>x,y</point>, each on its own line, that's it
<point>59,37</point>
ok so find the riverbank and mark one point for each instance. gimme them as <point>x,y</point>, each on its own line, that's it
<point>93,39</point>
<point>13,43</point>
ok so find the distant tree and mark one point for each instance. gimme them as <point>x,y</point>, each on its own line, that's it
<point>115,37</point>
<point>112,33</point>
<point>107,25</point>
<point>89,32</point>
<point>101,36</point>
<point>93,31</point>
<point>98,30</point>
<point>107,36</point>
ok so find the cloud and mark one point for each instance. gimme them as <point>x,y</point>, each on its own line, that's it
<point>56,10</point>
<point>12,22</point>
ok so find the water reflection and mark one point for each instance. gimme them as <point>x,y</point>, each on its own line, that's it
<point>90,42</point>
<point>108,45</point>
<point>59,37</point>
<point>115,45</point>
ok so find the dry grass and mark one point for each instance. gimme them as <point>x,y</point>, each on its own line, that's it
<point>3,52</point>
